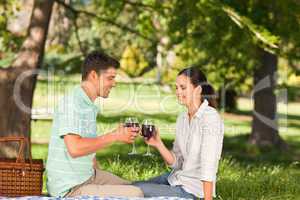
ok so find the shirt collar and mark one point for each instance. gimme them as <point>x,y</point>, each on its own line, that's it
<point>202,107</point>
<point>200,110</point>
<point>87,99</point>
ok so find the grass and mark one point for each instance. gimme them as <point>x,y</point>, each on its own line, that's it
<point>245,172</point>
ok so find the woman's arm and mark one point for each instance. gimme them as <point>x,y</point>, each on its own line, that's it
<point>156,142</point>
<point>205,151</point>
<point>167,155</point>
<point>208,190</point>
<point>210,152</point>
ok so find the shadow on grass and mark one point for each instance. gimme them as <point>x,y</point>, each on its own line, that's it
<point>249,113</point>
<point>235,147</point>
<point>293,125</point>
<point>263,186</point>
<point>238,148</point>
<point>252,169</point>
<point>294,117</point>
<point>169,118</point>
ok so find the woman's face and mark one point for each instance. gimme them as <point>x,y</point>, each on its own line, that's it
<point>186,92</point>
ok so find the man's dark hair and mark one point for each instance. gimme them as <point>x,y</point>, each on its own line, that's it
<point>97,61</point>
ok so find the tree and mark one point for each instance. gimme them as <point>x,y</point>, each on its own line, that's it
<point>237,39</point>
<point>117,25</point>
<point>18,81</point>
<point>132,61</point>
<point>276,26</point>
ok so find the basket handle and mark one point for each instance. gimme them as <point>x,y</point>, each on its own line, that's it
<point>22,140</point>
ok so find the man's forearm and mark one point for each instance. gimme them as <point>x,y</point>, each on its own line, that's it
<point>83,146</point>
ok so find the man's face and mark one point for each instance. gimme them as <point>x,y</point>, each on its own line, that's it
<point>105,81</point>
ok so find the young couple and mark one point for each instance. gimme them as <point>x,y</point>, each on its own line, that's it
<point>72,168</point>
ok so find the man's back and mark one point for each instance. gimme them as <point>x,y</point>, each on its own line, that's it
<point>75,114</point>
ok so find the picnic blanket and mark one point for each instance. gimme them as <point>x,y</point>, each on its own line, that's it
<point>89,198</point>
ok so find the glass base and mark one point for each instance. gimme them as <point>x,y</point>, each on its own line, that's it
<point>133,153</point>
<point>148,154</point>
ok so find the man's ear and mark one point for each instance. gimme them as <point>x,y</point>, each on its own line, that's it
<point>93,74</point>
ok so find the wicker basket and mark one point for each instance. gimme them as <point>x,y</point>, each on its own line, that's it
<point>20,177</point>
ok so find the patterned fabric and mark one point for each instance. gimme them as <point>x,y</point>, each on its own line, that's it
<point>90,198</point>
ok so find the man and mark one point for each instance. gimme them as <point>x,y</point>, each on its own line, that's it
<point>71,165</point>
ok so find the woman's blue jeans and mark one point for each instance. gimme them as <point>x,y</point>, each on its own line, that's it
<point>159,186</point>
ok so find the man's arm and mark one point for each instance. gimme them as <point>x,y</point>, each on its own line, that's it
<point>78,146</point>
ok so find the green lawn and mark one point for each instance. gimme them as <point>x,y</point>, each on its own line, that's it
<point>245,171</point>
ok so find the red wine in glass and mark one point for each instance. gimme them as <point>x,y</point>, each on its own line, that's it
<point>132,122</point>
<point>148,131</point>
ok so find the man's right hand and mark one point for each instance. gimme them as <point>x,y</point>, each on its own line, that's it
<point>80,146</point>
<point>126,134</point>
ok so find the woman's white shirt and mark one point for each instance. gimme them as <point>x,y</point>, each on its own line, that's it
<point>197,149</point>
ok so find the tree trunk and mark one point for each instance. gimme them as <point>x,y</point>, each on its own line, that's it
<point>265,122</point>
<point>60,26</point>
<point>227,99</point>
<point>17,82</point>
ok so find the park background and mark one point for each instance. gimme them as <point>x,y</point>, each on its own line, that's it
<point>250,51</point>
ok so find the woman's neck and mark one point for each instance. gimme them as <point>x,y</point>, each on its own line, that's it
<point>193,108</point>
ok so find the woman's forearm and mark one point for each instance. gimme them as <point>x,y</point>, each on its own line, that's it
<point>165,153</point>
<point>208,190</point>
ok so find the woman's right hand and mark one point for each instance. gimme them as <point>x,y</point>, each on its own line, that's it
<point>155,140</point>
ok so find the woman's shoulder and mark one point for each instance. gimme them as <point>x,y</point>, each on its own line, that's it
<point>211,110</point>
<point>211,114</point>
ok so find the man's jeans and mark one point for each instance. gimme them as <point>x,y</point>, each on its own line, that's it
<point>159,186</point>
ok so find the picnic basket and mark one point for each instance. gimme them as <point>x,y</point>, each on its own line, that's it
<point>19,176</point>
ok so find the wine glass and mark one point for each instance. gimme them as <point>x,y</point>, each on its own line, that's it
<point>148,131</point>
<point>132,122</point>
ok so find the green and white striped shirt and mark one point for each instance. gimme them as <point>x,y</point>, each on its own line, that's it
<point>75,114</point>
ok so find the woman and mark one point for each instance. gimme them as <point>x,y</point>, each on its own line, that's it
<point>197,146</point>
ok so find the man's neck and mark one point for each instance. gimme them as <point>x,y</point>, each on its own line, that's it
<point>89,90</point>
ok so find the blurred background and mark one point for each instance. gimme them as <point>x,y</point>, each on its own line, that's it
<point>249,50</point>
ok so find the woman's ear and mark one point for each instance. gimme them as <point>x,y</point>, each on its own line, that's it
<point>199,89</point>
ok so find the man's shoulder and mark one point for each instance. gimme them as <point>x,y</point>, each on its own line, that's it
<point>69,101</point>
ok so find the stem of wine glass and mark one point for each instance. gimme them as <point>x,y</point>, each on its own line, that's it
<point>133,151</point>
<point>133,147</point>
<point>148,150</point>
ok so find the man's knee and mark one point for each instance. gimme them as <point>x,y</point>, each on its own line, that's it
<point>111,190</point>
<point>137,192</point>
<point>107,178</point>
